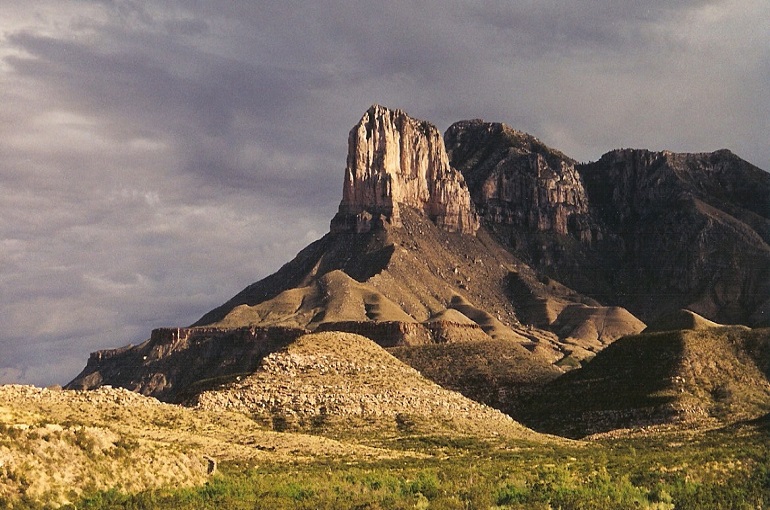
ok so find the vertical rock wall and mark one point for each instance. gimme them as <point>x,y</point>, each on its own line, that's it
<point>516,180</point>
<point>395,160</point>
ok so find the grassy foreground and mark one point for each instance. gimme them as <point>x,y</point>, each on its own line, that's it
<point>724,469</point>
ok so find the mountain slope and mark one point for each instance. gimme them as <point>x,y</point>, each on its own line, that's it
<point>689,377</point>
<point>650,231</point>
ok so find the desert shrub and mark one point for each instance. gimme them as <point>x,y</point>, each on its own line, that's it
<point>85,441</point>
<point>511,495</point>
<point>426,484</point>
<point>298,492</point>
<point>405,423</point>
<point>654,472</point>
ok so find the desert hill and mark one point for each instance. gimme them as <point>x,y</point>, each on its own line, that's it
<point>692,377</point>
<point>343,383</point>
<point>680,319</point>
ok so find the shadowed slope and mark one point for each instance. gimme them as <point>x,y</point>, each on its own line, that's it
<point>684,231</point>
<point>714,375</point>
<point>680,319</point>
<point>495,372</point>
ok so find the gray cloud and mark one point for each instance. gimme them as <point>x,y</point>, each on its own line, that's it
<point>157,158</point>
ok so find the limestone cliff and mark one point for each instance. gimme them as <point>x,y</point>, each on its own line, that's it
<point>393,161</point>
<point>532,198</point>
<point>516,180</point>
<point>650,231</point>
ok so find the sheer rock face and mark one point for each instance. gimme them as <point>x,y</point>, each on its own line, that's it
<point>686,230</point>
<point>516,180</point>
<point>395,160</point>
<point>649,231</point>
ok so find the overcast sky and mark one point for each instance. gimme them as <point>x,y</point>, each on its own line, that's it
<point>157,157</point>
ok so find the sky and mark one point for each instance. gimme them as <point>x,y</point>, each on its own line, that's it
<point>157,157</point>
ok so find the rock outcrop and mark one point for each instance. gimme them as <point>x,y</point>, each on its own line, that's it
<point>650,231</point>
<point>516,180</point>
<point>176,360</point>
<point>395,160</point>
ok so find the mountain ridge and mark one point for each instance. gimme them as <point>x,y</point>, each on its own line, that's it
<point>600,227</point>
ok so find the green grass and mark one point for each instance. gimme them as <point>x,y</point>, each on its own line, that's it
<point>727,469</point>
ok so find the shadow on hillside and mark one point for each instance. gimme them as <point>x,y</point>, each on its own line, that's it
<point>631,383</point>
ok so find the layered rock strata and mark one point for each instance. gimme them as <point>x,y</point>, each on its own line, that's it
<point>174,360</point>
<point>516,180</point>
<point>395,160</point>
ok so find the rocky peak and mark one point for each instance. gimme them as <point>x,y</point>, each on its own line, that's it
<point>395,160</point>
<point>517,180</point>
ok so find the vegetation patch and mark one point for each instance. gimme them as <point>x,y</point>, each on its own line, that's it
<point>727,468</point>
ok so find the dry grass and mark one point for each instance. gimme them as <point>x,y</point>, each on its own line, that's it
<point>57,443</point>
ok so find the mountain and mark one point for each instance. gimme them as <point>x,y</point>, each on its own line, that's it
<point>652,232</point>
<point>687,231</point>
<point>405,263</point>
<point>494,265</point>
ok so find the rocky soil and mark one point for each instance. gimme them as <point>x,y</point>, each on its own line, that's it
<point>329,381</point>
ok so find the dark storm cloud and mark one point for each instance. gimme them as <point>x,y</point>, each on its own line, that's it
<point>158,157</point>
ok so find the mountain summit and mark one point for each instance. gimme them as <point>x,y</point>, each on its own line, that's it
<point>395,161</point>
